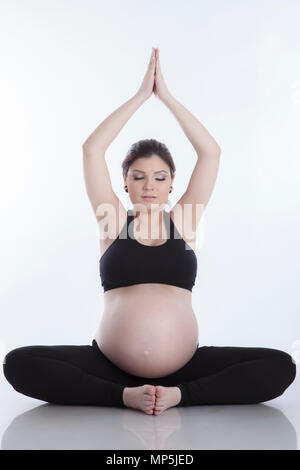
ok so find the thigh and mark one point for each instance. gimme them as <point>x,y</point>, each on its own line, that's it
<point>209,360</point>
<point>87,358</point>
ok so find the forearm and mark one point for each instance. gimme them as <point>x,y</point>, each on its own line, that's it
<point>199,137</point>
<point>106,132</point>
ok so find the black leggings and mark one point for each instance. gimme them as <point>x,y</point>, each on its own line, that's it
<point>83,375</point>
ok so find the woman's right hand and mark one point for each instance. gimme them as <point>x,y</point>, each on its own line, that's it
<point>147,85</point>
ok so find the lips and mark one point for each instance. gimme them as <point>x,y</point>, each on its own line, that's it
<point>149,197</point>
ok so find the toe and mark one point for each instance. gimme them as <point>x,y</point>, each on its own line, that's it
<point>159,391</point>
<point>150,389</point>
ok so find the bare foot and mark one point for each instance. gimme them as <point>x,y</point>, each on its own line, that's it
<point>141,398</point>
<point>166,397</point>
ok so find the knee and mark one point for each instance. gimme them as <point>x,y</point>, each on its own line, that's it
<point>14,366</point>
<point>278,371</point>
<point>286,368</point>
<point>290,367</point>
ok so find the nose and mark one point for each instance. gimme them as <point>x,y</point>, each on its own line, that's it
<point>148,185</point>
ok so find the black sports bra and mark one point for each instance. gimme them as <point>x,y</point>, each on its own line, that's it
<point>126,261</point>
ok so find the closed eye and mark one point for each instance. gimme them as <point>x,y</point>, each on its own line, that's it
<point>141,178</point>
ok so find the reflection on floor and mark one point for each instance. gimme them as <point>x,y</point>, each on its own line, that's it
<point>27,423</point>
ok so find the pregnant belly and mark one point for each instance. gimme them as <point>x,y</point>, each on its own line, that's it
<point>148,338</point>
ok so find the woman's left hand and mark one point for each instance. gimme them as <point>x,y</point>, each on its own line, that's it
<point>160,88</point>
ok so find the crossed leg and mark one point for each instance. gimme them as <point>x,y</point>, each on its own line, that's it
<point>83,375</point>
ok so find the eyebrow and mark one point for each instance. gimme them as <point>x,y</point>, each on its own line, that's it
<point>160,171</point>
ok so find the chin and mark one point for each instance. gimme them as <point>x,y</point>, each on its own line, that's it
<point>146,206</point>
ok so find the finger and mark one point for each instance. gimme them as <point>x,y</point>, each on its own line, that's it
<point>157,65</point>
<point>152,60</point>
<point>157,56</point>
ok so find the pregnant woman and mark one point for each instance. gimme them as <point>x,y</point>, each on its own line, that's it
<point>145,353</point>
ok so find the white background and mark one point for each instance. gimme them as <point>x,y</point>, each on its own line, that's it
<point>66,65</point>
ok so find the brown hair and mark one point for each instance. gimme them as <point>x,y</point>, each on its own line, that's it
<point>147,148</point>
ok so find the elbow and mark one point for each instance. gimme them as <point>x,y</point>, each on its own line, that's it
<point>218,151</point>
<point>86,148</point>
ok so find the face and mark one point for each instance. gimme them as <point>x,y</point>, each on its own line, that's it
<point>149,177</point>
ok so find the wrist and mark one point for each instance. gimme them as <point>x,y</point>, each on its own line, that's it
<point>140,98</point>
<point>168,98</point>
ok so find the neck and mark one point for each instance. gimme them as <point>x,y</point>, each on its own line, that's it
<point>150,222</point>
<point>149,216</point>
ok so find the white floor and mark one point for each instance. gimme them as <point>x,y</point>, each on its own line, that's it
<point>27,423</point>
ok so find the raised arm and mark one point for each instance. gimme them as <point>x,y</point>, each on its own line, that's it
<point>208,152</point>
<point>205,172</point>
<point>96,174</point>
<point>101,138</point>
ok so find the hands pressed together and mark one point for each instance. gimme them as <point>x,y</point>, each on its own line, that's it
<point>153,81</point>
